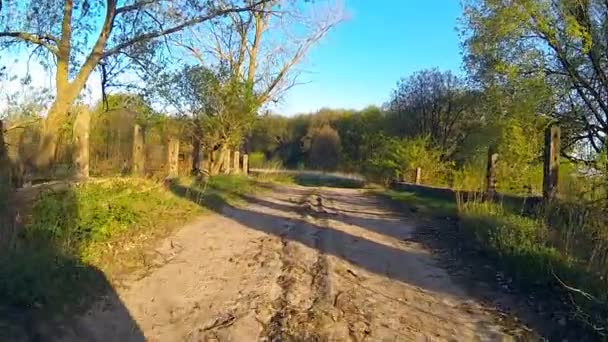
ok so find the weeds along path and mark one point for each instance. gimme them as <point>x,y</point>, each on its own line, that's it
<point>295,264</point>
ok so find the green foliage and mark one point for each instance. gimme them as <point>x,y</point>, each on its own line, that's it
<point>535,255</point>
<point>392,158</point>
<point>426,205</point>
<point>75,230</point>
<point>434,104</point>
<point>519,242</point>
<point>325,148</point>
<point>553,48</point>
<point>257,160</point>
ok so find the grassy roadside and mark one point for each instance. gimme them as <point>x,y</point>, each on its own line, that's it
<point>427,206</point>
<point>528,250</point>
<point>80,239</point>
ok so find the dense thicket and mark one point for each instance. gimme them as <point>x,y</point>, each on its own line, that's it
<point>432,120</point>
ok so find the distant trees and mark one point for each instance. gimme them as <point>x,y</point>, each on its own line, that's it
<point>435,104</point>
<point>81,36</point>
<point>325,148</point>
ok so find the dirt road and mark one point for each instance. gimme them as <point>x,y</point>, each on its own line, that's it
<point>295,264</point>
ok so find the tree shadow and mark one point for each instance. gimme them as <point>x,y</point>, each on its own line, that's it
<point>328,180</point>
<point>392,261</point>
<point>45,288</point>
<point>388,225</point>
<point>397,261</point>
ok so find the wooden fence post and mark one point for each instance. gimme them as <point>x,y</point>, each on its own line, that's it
<point>226,162</point>
<point>236,162</point>
<point>246,164</point>
<point>418,175</point>
<point>203,162</point>
<point>491,173</point>
<point>197,159</point>
<point>551,162</point>
<point>81,133</point>
<point>138,158</point>
<point>173,157</point>
<point>5,167</point>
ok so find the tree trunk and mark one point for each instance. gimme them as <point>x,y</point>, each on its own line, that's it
<point>81,131</point>
<point>219,157</point>
<point>51,129</point>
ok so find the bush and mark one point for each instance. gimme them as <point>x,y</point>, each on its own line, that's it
<point>325,149</point>
<point>390,158</point>
<point>257,160</point>
<point>75,233</point>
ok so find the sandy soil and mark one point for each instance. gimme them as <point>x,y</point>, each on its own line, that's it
<point>296,264</point>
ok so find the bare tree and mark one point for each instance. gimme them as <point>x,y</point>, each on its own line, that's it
<point>79,35</point>
<point>259,49</point>
<point>264,46</point>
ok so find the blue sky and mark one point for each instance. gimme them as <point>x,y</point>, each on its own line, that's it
<point>360,62</point>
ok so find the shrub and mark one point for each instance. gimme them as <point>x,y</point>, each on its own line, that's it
<point>390,158</point>
<point>75,233</point>
<point>325,149</point>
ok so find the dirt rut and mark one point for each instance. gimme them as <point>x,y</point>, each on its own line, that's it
<point>296,264</point>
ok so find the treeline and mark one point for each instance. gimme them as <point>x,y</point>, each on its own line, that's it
<point>433,120</point>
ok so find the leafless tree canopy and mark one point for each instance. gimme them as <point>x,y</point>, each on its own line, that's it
<point>263,47</point>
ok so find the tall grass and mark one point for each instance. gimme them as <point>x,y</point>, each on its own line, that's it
<point>563,247</point>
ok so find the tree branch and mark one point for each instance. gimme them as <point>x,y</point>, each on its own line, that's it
<point>41,40</point>
<point>196,20</point>
<point>135,6</point>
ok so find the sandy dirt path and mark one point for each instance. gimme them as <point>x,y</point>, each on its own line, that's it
<point>296,264</point>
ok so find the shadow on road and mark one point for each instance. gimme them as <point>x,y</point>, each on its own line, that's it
<point>408,266</point>
<point>44,286</point>
<point>399,263</point>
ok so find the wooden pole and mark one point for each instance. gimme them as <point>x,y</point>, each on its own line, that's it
<point>246,164</point>
<point>418,175</point>
<point>173,157</point>
<point>551,162</point>
<point>491,173</point>
<point>226,162</point>
<point>197,160</point>
<point>5,168</point>
<point>236,162</point>
<point>138,158</point>
<point>81,133</point>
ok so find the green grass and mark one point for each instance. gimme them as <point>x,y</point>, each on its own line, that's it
<point>537,258</point>
<point>425,205</point>
<point>78,237</point>
<point>533,255</point>
<point>216,191</point>
<point>518,243</point>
